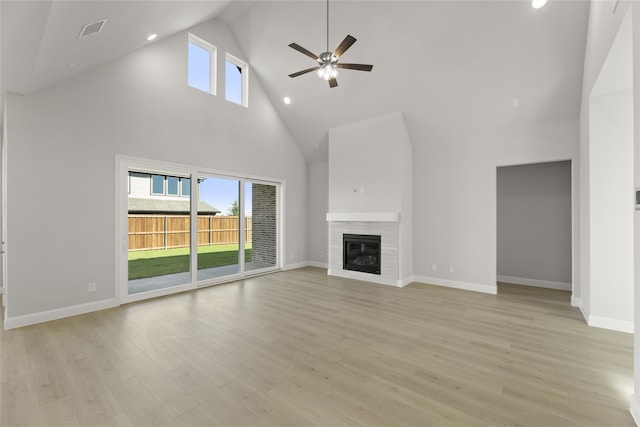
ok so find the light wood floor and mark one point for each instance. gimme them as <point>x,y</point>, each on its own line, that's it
<point>299,348</point>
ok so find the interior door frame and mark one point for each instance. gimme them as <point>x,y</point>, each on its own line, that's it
<point>3,219</point>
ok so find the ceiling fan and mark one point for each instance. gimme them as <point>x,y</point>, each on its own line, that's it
<point>328,64</point>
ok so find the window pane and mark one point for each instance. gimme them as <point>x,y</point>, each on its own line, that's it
<point>157,184</point>
<point>186,186</point>
<point>233,83</point>
<point>172,185</point>
<point>159,236</point>
<point>199,68</point>
<point>218,227</point>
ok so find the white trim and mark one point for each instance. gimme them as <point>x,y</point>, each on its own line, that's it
<point>611,324</point>
<point>58,313</point>
<point>244,74</point>
<point>280,228</point>
<point>585,313</point>
<point>363,216</point>
<point>318,264</point>
<point>576,302</point>
<point>634,408</point>
<point>295,265</point>
<point>3,216</point>
<point>467,286</point>
<point>563,286</point>
<point>404,282</point>
<point>213,72</point>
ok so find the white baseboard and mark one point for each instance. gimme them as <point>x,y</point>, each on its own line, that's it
<point>611,324</point>
<point>576,302</point>
<point>634,408</point>
<point>585,312</point>
<point>59,313</point>
<point>563,286</point>
<point>296,265</point>
<point>404,282</point>
<point>467,286</point>
<point>317,264</point>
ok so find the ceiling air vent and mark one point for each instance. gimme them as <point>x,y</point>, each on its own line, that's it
<point>91,28</point>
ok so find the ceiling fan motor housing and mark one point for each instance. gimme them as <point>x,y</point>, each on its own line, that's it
<point>327,58</point>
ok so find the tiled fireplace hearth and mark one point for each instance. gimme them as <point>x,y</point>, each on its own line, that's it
<point>384,224</point>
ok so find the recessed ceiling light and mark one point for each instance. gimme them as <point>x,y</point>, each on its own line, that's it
<point>537,4</point>
<point>286,100</point>
<point>151,37</point>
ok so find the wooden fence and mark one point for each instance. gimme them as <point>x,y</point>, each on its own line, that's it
<point>172,231</point>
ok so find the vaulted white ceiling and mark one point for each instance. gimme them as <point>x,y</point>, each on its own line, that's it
<point>453,68</point>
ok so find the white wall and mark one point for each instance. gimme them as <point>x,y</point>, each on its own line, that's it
<point>606,149</point>
<point>318,183</point>
<point>455,198</point>
<point>369,166</point>
<point>534,224</point>
<point>608,116</point>
<point>635,400</point>
<point>62,145</point>
<point>611,211</point>
<point>602,30</point>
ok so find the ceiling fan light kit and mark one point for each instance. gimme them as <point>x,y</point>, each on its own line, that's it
<point>328,65</point>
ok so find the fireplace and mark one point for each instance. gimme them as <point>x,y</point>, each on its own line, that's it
<point>361,252</point>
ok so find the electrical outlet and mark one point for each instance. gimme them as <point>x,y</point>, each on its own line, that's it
<point>451,269</point>
<point>321,254</point>
<point>91,287</point>
<point>434,267</point>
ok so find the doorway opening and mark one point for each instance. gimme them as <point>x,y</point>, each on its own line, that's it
<point>534,226</point>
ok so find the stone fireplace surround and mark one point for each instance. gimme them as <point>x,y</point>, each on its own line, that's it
<point>385,224</point>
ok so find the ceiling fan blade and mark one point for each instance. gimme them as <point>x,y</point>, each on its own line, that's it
<point>303,50</point>
<point>333,82</point>
<point>359,67</point>
<point>308,70</point>
<point>346,44</point>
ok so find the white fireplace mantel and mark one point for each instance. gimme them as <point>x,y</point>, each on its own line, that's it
<point>363,216</point>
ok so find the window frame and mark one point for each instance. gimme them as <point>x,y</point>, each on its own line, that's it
<point>244,84</point>
<point>213,53</point>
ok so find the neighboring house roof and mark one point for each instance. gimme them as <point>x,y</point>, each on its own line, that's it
<point>154,206</point>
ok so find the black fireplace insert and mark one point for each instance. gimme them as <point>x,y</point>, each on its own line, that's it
<point>361,252</point>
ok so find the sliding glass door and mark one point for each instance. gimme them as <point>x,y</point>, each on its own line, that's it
<point>218,227</point>
<point>181,228</point>
<point>159,232</point>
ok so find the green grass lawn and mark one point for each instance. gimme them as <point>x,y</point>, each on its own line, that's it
<point>144,264</point>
